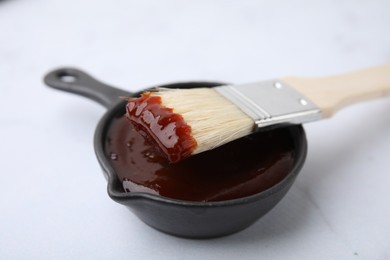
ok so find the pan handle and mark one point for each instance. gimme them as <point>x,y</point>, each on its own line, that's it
<point>78,82</point>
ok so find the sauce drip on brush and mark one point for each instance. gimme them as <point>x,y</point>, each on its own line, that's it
<point>162,126</point>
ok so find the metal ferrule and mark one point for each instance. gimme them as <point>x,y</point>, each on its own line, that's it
<point>271,102</point>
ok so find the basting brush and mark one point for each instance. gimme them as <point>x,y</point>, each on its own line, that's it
<point>184,122</point>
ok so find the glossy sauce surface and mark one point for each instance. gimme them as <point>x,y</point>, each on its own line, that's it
<point>238,169</point>
<point>161,125</point>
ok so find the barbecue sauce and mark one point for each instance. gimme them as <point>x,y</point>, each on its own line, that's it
<point>161,125</point>
<point>238,169</point>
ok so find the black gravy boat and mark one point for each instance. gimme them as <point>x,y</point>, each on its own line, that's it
<point>176,217</point>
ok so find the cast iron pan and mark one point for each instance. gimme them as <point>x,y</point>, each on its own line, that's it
<point>175,217</point>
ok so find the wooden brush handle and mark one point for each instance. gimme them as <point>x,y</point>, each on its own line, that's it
<point>333,93</point>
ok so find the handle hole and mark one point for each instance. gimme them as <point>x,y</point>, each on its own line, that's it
<point>67,77</point>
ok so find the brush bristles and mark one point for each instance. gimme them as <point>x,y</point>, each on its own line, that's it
<point>214,120</point>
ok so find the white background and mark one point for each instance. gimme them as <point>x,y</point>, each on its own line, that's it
<point>53,199</point>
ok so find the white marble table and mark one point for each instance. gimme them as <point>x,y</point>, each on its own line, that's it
<point>53,197</point>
